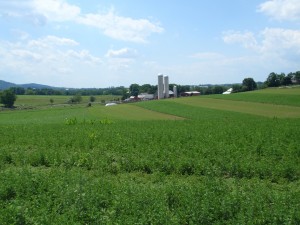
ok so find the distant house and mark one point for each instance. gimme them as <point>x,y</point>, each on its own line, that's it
<point>229,91</point>
<point>111,104</point>
<point>190,93</point>
<point>171,94</point>
<point>145,96</point>
<point>138,98</point>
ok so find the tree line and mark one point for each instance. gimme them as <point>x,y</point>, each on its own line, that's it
<point>9,96</point>
<point>276,80</point>
<point>71,91</point>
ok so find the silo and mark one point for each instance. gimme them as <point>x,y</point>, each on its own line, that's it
<point>166,87</point>
<point>160,86</point>
<point>175,91</point>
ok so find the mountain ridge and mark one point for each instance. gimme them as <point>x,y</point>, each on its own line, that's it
<point>6,85</point>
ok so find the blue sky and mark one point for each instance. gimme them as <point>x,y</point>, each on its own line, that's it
<point>79,43</point>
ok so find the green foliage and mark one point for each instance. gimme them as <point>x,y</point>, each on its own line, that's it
<point>71,121</point>
<point>249,84</point>
<point>296,77</point>
<point>218,89</point>
<point>134,89</point>
<point>8,98</point>
<point>43,100</point>
<point>276,80</point>
<point>214,167</point>
<point>75,99</point>
<point>74,121</point>
<point>92,98</point>
<point>273,80</point>
<point>277,96</point>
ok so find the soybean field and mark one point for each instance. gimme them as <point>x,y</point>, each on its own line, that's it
<point>231,159</point>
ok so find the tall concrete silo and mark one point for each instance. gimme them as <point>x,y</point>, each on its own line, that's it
<point>166,87</point>
<point>160,86</point>
<point>175,91</point>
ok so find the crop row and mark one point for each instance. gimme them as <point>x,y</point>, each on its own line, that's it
<point>213,167</point>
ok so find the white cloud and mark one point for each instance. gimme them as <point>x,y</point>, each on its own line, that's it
<point>56,10</point>
<point>23,54</point>
<point>273,40</point>
<point>83,56</point>
<point>52,41</point>
<point>50,56</point>
<point>122,53</point>
<point>279,40</point>
<point>275,48</point>
<point>247,39</point>
<point>39,12</point>
<point>121,28</point>
<point>281,9</point>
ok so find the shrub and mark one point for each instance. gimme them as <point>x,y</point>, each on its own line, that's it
<point>8,98</point>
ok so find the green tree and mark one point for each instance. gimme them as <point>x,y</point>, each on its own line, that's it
<point>297,77</point>
<point>51,101</point>
<point>125,94</point>
<point>249,84</point>
<point>134,89</point>
<point>8,98</point>
<point>273,80</point>
<point>286,80</point>
<point>18,90</point>
<point>146,88</point>
<point>218,89</point>
<point>92,98</point>
<point>75,99</point>
<point>236,88</point>
<point>29,91</point>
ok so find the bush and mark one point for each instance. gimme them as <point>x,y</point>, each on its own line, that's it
<point>8,98</point>
<point>75,99</point>
<point>92,98</point>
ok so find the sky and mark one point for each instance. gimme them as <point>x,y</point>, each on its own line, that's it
<point>105,43</point>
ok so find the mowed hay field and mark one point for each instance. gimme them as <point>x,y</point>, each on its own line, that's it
<point>196,160</point>
<point>44,100</point>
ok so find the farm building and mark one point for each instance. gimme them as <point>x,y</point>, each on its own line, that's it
<point>146,96</point>
<point>190,93</point>
<point>229,91</point>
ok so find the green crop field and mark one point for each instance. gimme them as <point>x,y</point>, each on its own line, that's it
<point>279,96</point>
<point>195,160</point>
<point>44,100</point>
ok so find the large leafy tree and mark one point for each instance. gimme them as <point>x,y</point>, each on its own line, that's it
<point>147,88</point>
<point>134,89</point>
<point>297,77</point>
<point>8,98</point>
<point>286,80</point>
<point>273,80</point>
<point>249,84</point>
<point>218,89</point>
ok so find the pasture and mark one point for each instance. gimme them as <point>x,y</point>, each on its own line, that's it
<point>196,160</point>
<point>289,96</point>
<point>44,100</point>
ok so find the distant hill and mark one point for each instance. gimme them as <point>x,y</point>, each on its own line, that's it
<point>5,85</point>
<point>36,86</point>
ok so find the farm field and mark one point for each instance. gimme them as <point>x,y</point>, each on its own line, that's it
<point>280,96</point>
<point>175,161</point>
<point>44,100</point>
<point>255,108</point>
